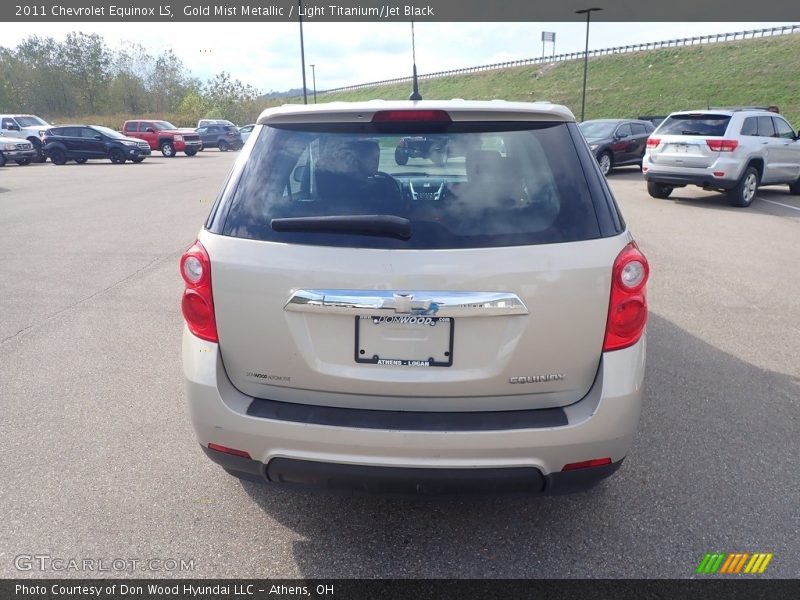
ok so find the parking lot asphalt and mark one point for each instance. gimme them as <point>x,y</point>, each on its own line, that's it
<point>100,460</point>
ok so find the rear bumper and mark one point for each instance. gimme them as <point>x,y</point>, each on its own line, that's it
<point>410,481</point>
<point>303,447</point>
<point>703,177</point>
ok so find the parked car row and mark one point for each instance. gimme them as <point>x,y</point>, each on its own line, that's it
<point>28,138</point>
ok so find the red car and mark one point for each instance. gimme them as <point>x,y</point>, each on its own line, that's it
<point>164,136</point>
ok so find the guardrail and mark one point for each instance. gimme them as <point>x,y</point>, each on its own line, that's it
<point>674,43</point>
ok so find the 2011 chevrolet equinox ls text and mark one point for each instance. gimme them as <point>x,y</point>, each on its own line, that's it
<point>356,324</point>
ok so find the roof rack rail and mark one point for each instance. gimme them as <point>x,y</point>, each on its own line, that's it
<point>771,108</point>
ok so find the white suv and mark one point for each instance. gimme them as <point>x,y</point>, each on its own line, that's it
<point>354,323</point>
<point>734,151</point>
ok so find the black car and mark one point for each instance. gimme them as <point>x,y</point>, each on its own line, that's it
<point>617,142</point>
<point>437,148</point>
<point>84,142</point>
<point>224,137</point>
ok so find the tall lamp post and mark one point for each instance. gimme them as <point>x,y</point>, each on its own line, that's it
<point>302,49</point>
<point>314,81</point>
<point>588,12</point>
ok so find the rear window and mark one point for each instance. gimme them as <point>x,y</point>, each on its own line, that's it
<point>475,185</point>
<point>702,124</point>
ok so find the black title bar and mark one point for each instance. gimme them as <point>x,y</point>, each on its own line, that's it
<point>404,10</point>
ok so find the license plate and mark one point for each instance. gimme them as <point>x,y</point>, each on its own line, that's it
<point>680,148</point>
<point>404,341</point>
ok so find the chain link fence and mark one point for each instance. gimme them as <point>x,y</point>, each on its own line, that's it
<point>674,43</point>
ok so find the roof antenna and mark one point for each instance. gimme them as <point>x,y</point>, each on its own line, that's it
<point>415,95</point>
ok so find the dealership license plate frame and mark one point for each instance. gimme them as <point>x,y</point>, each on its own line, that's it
<point>368,356</point>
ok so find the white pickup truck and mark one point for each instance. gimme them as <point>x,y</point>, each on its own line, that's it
<point>29,127</point>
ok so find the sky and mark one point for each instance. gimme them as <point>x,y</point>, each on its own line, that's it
<point>267,55</point>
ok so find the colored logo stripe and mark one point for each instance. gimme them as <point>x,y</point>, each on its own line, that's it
<point>733,563</point>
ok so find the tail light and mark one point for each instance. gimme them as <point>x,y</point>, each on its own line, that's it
<point>197,303</point>
<point>722,145</point>
<point>653,142</point>
<point>627,309</point>
<point>406,116</point>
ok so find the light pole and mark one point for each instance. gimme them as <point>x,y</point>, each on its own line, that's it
<point>588,12</point>
<point>302,49</point>
<point>314,81</point>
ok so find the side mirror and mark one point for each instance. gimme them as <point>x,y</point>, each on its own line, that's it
<point>299,173</point>
<point>150,130</point>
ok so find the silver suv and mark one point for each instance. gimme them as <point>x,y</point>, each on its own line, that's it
<point>734,151</point>
<point>354,323</point>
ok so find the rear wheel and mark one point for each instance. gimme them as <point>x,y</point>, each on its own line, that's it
<point>439,156</point>
<point>2,160</point>
<point>37,145</point>
<point>224,146</point>
<point>80,161</point>
<point>605,162</point>
<point>58,156</point>
<point>400,156</point>
<point>167,149</point>
<point>742,195</point>
<point>659,190</point>
<point>116,156</point>
<point>794,188</point>
<point>23,161</point>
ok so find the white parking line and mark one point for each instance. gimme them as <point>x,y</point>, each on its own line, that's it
<point>779,204</point>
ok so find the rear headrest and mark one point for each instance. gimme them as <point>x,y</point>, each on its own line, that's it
<point>484,165</point>
<point>353,158</point>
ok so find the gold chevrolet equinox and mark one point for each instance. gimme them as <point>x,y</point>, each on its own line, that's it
<point>473,323</point>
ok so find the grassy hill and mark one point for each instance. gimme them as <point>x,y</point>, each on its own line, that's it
<point>762,71</point>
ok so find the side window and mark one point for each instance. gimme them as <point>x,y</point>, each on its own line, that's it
<point>129,127</point>
<point>8,123</point>
<point>783,129</point>
<point>89,133</point>
<point>750,126</point>
<point>624,130</point>
<point>202,130</point>
<point>71,132</point>
<point>638,129</point>
<point>143,126</point>
<point>765,127</point>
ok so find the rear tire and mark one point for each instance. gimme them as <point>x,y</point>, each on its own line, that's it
<point>223,146</point>
<point>400,156</point>
<point>794,188</point>
<point>2,160</point>
<point>742,195</point>
<point>606,163</point>
<point>167,149</point>
<point>58,156</point>
<point>659,190</point>
<point>40,155</point>
<point>439,157</point>
<point>116,156</point>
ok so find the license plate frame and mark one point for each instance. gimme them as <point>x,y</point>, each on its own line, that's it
<point>364,355</point>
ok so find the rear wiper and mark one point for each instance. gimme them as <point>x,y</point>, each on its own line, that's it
<point>690,132</point>
<point>375,225</point>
